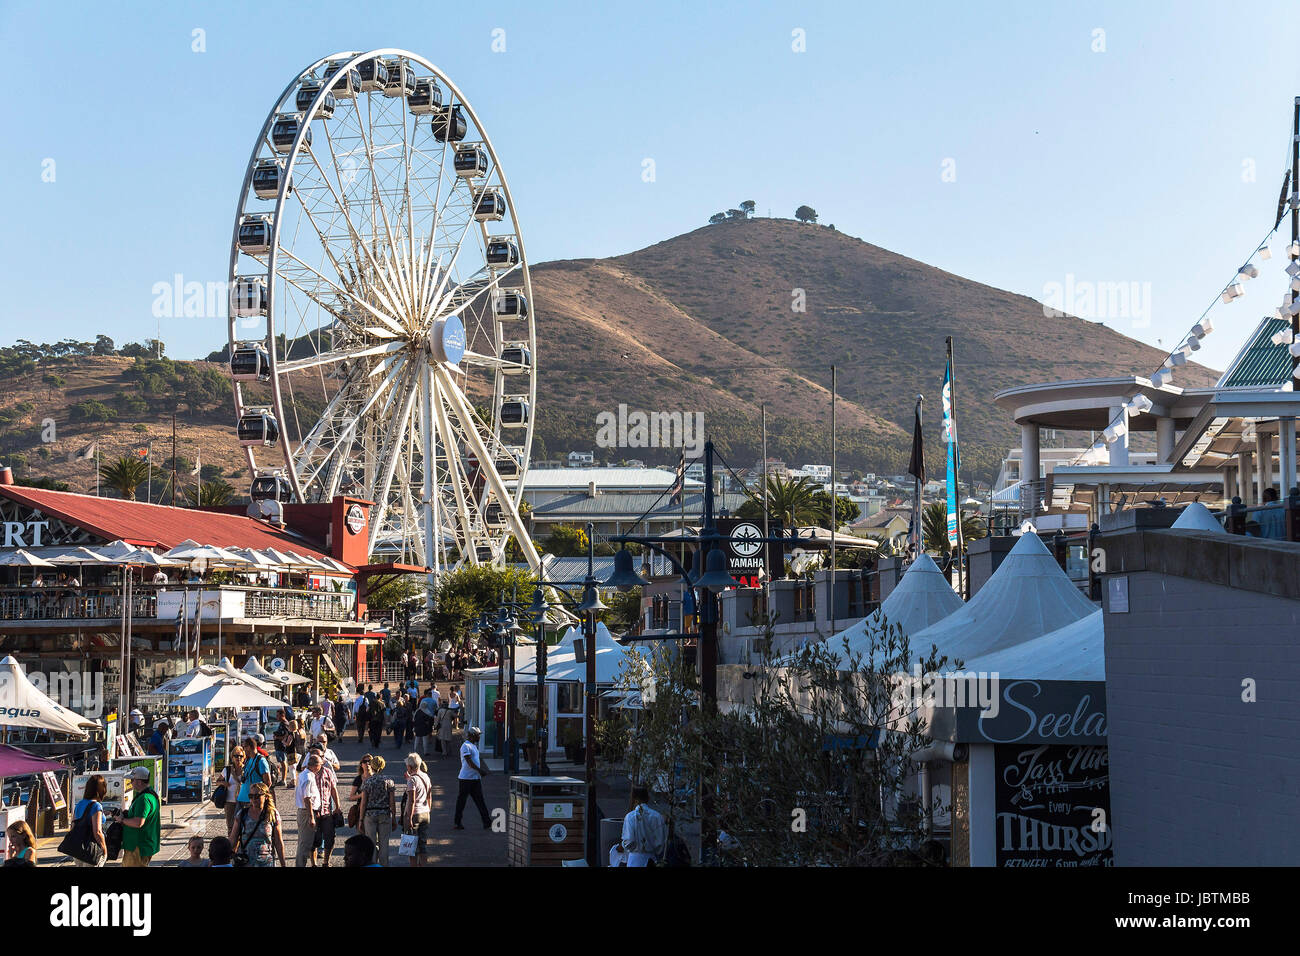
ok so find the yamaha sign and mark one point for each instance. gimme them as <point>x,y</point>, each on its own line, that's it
<point>748,556</point>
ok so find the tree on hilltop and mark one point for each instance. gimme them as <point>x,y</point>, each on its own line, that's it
<point>806,214</point>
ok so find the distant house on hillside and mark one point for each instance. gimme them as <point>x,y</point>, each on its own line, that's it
<point>887,523</point>
<point>581,459</point>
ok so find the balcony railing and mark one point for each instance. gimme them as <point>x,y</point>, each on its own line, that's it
<point>74,604</point>
<point>105,603</point>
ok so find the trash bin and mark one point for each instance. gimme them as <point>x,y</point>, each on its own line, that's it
<point>545,826</point>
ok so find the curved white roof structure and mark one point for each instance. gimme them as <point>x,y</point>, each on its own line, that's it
<point>1197,517</point>
<point>1074,652</point>
<point>922,597</point>
<point>1028,596</point>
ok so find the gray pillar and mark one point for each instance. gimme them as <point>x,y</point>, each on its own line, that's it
<point>1286,455</point>
<point>1119,447</point>
<point>1245,477</point>
<point>1029,456</point>
<point>1164,439</point>
<point>1264,442</point>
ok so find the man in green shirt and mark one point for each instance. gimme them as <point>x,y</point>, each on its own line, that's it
<point>142,822</point>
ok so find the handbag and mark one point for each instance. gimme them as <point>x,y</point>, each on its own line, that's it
<point>113,838</point>
<point>80,845</point>
<point>337,817</point>
<point>354,815</point>
<point>219,796</point>
<point>407,846</point>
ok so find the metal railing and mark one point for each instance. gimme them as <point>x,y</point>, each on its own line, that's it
<point>74,604</point>
<point>305,605</point>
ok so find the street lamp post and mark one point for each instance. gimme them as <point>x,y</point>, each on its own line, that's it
<point>591,605</point>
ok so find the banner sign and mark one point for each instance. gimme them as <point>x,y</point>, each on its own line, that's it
<point>748,558</point>
<point>1034,712</point>
<point>1053,806</point>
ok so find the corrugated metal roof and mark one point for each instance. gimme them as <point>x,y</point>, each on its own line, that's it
<point>156,526</point>
<point>633,505</point>
<point>548,478</point>
<point>1262,364</point>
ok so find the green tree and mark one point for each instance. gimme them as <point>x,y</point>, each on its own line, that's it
<point>934,528</point>
<point>567,541</point>
<point>806,214</point>
<point>717,217</point>
<point>747,207</point>
<point>736,214</point>
<point>462,595</point>
<point>790,500</point>
<point>104,345</point>
<point>124,475</point>
<point>91,411</point>
<point>624,610</point>
<point>215,492</point>
<point>846,511</point>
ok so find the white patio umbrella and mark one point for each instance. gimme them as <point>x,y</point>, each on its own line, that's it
<point>196,679</point>
<point>251,680</point>
<point>80,555</point>
<point>23,559</point>
<point>25,706</point>
<point>289,679</point>
<point>188,551</point>
<point>228,693</point>
<point>256,558</point>
<point>288,559</point>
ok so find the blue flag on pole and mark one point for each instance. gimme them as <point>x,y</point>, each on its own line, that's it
<point>954,454</point>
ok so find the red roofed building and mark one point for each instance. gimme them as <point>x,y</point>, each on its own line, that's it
<point>70,617</point>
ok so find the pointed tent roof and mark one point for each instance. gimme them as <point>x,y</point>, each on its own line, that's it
<point>1028,596</point>
<point>193,680</point>
<point>561,662</point>
<point>923,597</point>
<point>25,706</point>
<point>1074,652</point>
<point>1197,517</point>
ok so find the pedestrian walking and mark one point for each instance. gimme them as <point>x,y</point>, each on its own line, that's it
<point>471,779</point>
<point>446,728</point>
<point>96,790</point>
<point>307,800</point>
<point>378,807</point>
<point>141,822</point>
<point>645,833</point>
<point>422,724</point>
<point>327,784</point>
<point>360,713</point>
<point>454,705</point>
<point>256,835</point>
<point>415,812</point>
<point>232,777</point>
<point>401,718</point>
<point>256,769</point>
<point>378,718</point>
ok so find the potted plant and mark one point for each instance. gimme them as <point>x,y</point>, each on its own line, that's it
<point>573,747</point>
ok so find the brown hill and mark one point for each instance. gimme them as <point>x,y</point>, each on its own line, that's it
<point>705,321</point>
<point>702,322</point>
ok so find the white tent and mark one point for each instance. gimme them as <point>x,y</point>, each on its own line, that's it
<point>277,676</point>
<point>1197,517</point>
<point>25,706</point>
<point>921,598</point>
<point>1028,596</point>
<point>610,656</point>
<point>227,693</point>
<point>19,558</point>
<point>205,675</point>
<point>264,684</point>
<point>1074,652</point>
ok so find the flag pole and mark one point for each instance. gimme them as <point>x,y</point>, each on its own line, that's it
<point>952,411</point>
<point>917,470</point>
<point>767,548</point>
<point>834,502</point>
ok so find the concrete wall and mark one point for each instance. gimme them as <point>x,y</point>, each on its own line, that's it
<point>1200,777</point>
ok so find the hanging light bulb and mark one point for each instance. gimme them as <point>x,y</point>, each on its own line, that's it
<point>1247,271</point>
<point>1162,378</point>
<point>1178,357</point>
<point>1203,328</point>
<point>1264,252</point>
<point>1192,344</point>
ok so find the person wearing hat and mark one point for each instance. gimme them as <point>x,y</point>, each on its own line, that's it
<point>471,779</point>
<point>158,741</point>
<point>137,719</point>
<point>141,822</point>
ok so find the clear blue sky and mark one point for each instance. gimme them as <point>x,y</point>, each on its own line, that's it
<point>1117,166</point>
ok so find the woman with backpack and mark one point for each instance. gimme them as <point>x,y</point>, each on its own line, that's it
<point>90,810</point>
<point>401,718</point>
<point>256,834</point>
<point>378,713</point>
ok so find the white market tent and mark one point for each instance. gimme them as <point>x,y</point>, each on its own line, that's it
<point>921,598</point>
<point>1074,652</point>
<point>254,667</point>
<point>25,706</point>
<point>1197,517</point>
<point>561,663</point>
<point>205,675</point>
<point>1028,596</point>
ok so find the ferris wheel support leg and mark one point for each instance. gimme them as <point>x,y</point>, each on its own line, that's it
<point>432,525</point>
<point>494,480</point>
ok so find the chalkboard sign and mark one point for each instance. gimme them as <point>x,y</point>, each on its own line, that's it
<point>1053,806</point>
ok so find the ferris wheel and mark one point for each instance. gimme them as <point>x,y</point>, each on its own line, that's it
<point>382,342</point>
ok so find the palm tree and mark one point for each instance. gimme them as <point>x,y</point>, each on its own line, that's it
<point>934,528</point>
<point>124,475</point>
<point>790,501</point>
<point>214,492</point>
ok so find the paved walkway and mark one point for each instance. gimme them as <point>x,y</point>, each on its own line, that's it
<point>446,846</point>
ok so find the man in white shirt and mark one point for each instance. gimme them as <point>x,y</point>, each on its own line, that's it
<point>195,727</point>
<point>326,753</point>
<point>160,577</point>
<point>470,779</point>
<point>306,797</point>
<point>645,833</point>
<point>320,723</point>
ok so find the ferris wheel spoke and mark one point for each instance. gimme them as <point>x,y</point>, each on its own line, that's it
<point>342,355</point>
<point>343,444</point>
<point>459,480</point>
<point>378,200</point>
<point>387,461</point>
<point>391,328</point>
